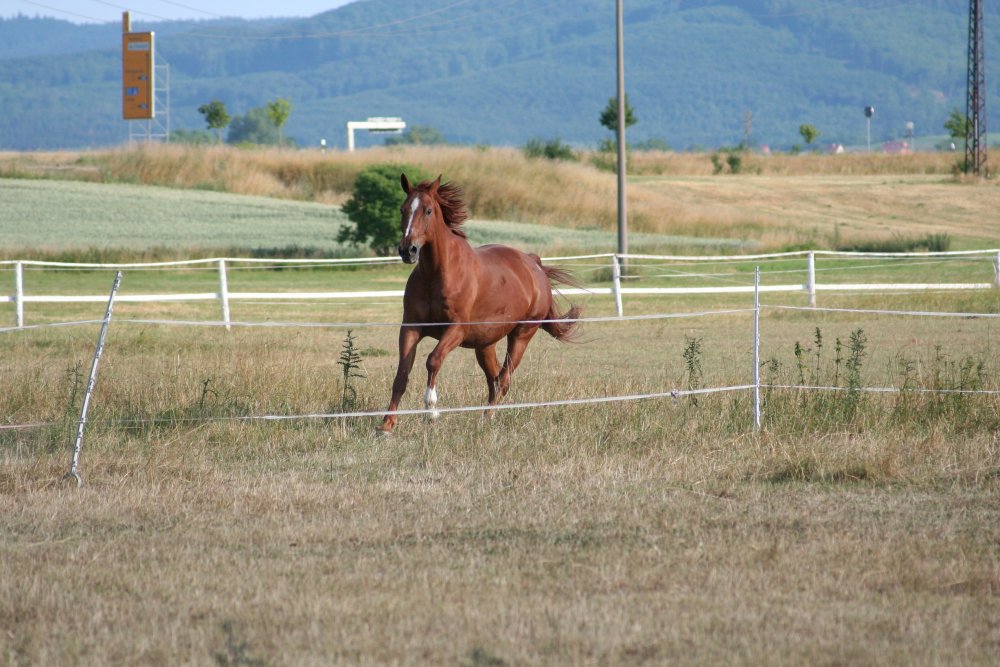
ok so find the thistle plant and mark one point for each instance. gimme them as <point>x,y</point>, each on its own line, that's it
<point>350,363</point>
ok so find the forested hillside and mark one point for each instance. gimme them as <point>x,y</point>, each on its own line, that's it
<point>502,73</point>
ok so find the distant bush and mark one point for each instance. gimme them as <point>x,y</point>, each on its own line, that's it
<point>652,144</point>
<point>374,207</point>
<point>553,149</point>
<point>727,156</point>
<point>192,137</point>
<point>253,128</point>
<point>417,135</point>
<point>938,242</point>
<point>897,243</point>
<point>606,156</point>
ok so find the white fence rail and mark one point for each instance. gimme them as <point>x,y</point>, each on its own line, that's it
<point>225,296</point>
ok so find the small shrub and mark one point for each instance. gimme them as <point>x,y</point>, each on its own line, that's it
<point>652,144</point>
<point>350,363</point>
<point>727,156</point>
<point>717,166</point>
<point>692,364</point>
<point>553,149</point>
<point>899,243</point>
<point>735,162</point>
<point>374,207</point>
<point>938,242</point>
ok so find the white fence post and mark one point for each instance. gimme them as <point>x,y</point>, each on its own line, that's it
<point>74,467</point>
<point>996,270</point>
<point>19,294</point>
<point>811,279</point>
<point>756,349</point>
<point>616,280</point>
<point>224,294</point>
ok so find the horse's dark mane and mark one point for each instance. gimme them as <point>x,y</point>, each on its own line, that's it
<point>449,198</point>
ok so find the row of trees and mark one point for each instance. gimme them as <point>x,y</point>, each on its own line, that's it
<point>263,125</point>
<point>260,125</point>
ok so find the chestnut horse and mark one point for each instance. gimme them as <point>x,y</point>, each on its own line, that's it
<point>468,297</point>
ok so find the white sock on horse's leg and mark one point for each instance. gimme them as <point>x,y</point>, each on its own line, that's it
<point>430,402</point>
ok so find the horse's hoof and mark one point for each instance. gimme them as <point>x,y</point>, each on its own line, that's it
<point>383,433</point>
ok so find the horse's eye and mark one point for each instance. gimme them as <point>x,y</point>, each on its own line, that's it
<point>428,211</point>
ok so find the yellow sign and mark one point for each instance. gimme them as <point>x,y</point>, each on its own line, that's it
<point>137,75</point>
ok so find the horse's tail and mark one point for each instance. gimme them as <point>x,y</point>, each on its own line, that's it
<point>562,327</point>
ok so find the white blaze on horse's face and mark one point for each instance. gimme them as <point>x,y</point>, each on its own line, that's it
<point>416,216</point>
<point>413,211</point>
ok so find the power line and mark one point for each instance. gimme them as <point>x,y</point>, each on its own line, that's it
<point>194,9</point>
<point>127,9</point>
<point>63,11</point>
<point>370,31</point>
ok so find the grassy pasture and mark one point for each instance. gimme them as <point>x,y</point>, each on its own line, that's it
<point>853,528</point>
<point>632,533</point>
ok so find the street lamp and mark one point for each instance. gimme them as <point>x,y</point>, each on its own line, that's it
<point>869,112</point>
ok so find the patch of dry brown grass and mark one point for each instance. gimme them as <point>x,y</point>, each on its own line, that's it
<point>640,533</point>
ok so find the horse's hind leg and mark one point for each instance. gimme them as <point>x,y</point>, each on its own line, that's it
<point>517,343</point>
<point>487,358</point>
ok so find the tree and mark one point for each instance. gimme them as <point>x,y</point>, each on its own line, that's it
<point>255,127</point>
<point>216,116</point>
<point>957,125</point>
<point>609,117</point>
<point>374,207</point>
<point>808,132</point>
<point>278,112</point>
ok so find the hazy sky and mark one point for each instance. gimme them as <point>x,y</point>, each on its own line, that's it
<point>110,11</point>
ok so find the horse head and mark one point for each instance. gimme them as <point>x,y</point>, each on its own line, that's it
<point>419,212</point>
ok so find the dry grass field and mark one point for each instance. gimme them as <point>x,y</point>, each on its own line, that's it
<point>778,200</point>
<point>853,528</point>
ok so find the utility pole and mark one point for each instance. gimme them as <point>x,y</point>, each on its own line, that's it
<point>975,98</point>
<point>622,213</point>
<point>869,112</point>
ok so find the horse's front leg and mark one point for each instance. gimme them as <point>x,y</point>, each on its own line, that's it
<point>408,339</point>
<point>450,339</point>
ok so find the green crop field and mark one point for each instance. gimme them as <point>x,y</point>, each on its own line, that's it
<point>63,216</point>
<point>854,527</point>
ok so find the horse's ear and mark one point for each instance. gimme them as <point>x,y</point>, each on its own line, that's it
<point>405,182</point>
<point>436,185</point>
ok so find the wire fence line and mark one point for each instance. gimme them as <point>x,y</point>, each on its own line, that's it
<point>609,318</point>
<point>756,386</point>
<point>224,295</point>
<point>674,394</point>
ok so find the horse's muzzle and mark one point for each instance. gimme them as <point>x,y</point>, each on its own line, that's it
<point>409,252</point>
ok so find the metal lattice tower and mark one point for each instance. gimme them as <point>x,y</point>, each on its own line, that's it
<point>975,100</point>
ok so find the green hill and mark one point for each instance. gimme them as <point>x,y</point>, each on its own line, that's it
<point>502,73</point>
